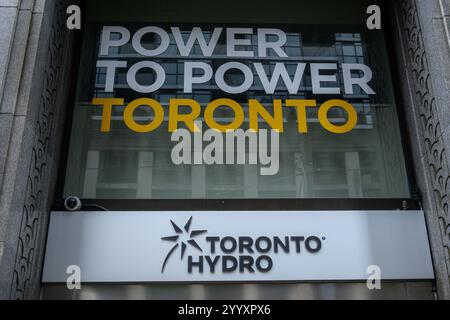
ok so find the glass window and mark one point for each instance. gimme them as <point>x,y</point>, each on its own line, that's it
<point>367,162</point>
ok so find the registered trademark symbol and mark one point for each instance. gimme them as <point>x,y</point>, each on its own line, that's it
<point>324,238</point>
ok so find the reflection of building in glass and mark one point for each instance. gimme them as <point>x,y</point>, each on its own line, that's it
<point>314,165</point>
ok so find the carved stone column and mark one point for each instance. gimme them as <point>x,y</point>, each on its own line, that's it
<point>34,100</point>
<point>424,63</point>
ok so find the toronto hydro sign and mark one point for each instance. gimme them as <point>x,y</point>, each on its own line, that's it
<point>236,253</point>
<point>225,246</point>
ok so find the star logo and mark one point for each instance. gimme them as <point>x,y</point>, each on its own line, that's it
<point>182,238</point>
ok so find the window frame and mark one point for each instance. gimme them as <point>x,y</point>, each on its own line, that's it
<point>258,204</point>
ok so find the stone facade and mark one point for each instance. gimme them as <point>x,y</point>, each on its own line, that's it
<point>36,53</point>
<point>35,49</point>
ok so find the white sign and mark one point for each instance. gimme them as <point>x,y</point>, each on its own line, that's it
<point>225,246</point>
